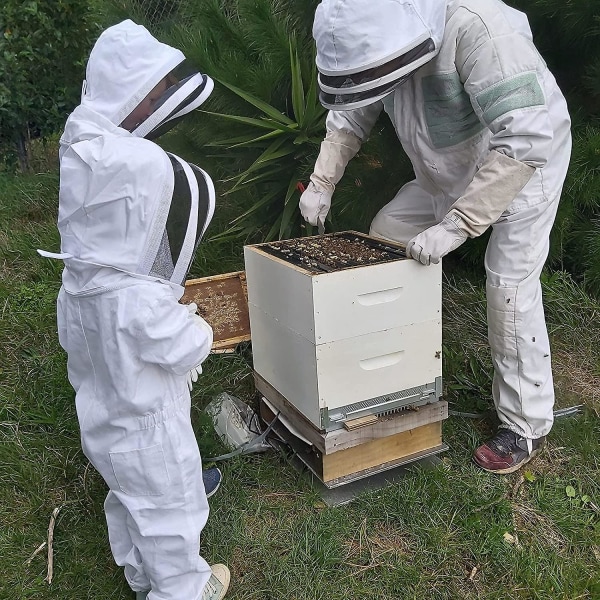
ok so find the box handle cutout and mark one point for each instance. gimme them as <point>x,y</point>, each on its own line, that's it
<point>380,362</point>
<point>380,297</point>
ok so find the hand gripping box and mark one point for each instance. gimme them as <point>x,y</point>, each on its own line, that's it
<point>344,325</point>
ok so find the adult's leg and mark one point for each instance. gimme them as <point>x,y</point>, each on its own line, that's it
<point>522,388</point>
<point>411,211</point>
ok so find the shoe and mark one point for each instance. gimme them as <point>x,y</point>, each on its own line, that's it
<point>212,480</point>
<point>217,585</point>
<point>507,452</point>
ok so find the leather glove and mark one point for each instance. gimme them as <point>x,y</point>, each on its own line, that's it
<point>192,376</point>
<point>315,203</point>
<point>337,149</point>
<point>431,245</point>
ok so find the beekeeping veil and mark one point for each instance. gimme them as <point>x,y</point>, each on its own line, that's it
<point>131,221</point>
<point>128,210</point>
<point>126,64</point>
<point>366,48</point>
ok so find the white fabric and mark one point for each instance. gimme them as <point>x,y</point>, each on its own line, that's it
<point>315,203</point>
<point>353,36</point>
<point>430,246</point>
<point>487,90</point>
<point>336,151</point>
<point>142,63</point>
<point>130,344</point>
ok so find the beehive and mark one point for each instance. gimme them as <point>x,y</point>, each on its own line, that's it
<point>344,325</point>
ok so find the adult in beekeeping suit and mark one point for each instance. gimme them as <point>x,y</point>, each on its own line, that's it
<point>130,218</point>
<point>488,133</point>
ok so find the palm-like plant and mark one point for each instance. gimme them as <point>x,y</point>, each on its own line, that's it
<point>286,145</point>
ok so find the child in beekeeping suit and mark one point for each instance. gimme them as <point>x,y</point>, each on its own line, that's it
<point>130,217</point>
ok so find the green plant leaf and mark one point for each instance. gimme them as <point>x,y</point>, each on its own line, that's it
<point>570,491</point>
<point>265,175</point>
<point>298,103</point>
<point>257,205</point>
<point>244,140</point>
<point>290,207</point>
<point>263,123</point>
<point>269,110</point>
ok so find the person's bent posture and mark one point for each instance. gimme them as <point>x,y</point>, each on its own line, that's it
<point>488,133</point>
<point>130,218</point>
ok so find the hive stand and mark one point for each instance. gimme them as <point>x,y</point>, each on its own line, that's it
<point>359,450</point>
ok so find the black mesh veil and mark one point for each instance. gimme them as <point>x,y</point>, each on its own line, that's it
<point>186,91</point>
<point>190,212</point>
<point>353,90</point>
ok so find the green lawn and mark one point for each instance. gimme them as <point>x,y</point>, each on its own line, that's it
<point>445,533</point>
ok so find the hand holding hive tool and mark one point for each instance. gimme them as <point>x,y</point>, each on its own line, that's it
<point>309,200</point>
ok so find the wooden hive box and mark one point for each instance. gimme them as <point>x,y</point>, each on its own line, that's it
<point>346,337</point>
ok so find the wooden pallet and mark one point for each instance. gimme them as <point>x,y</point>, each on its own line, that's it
<point>360,449</point>
<point>223,302</point>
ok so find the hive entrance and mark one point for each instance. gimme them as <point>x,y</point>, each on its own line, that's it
<point>334,252</point>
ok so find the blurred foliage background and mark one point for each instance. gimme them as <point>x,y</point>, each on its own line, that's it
<point>259,133</point>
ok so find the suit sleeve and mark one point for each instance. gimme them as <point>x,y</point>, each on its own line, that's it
<point>358,122</point>
<point>167,336</point>
<point>503,76</point>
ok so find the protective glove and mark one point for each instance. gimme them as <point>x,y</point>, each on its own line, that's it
<point>202,324</point>
<point>315,203</point>
<point>431,245</point>
<point>192,376</point>
<point>192,308</point>
<point>337,149</point>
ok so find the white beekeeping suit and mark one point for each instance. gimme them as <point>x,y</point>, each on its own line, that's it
<point>488,133</point>
<point>130,218</point>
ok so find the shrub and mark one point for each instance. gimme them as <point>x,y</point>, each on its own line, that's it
<point>42,50</point>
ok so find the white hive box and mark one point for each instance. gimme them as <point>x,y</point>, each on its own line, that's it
<point>340,341</point>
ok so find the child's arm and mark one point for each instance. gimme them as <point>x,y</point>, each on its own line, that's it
<point>170,336</point>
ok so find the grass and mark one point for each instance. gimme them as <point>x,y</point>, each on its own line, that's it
<point>451,532</point>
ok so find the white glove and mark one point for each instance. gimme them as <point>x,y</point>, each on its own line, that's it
<point>315,203</point>
<point>337,149</point>
<point>192,308</point>
<point>192,376</point>
<point>431,245</point>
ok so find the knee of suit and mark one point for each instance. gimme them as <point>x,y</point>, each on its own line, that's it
<point>387,228</point>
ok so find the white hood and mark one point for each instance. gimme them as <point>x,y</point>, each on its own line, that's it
<point>127,209</point>
<point>125,64</point>
<point>366,48</point>
<point>354,35</point>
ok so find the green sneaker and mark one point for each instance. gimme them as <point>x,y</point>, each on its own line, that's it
<point>218,583</point>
